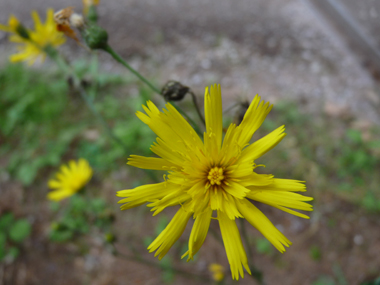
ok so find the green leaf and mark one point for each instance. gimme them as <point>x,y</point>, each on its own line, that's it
<point>61,236</point>
<point>20,230</point>
<point>13,252</point>
<point>263,246</point>
<point>315,253</point>
<point>354,135</point>
<point>324,280</point>
<point>3,240</point>
<point>5,221</point>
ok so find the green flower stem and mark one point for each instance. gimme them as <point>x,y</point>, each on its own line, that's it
<point>256,273</point>
<point>197,108</point>
<point>119,59</point>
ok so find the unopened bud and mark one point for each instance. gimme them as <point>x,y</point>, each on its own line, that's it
<point>95,37</point>
<point>174,91</point>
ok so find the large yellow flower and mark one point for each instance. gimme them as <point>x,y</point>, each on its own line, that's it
<point>70,179</point>
<point>43,35</point>
<point>214,175</point>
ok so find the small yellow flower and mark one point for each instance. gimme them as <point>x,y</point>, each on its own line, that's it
<point>88,3</point>
<point>213,175</point>
<point>70,179</point>
<point>43,35</point>
<point>217,271</point>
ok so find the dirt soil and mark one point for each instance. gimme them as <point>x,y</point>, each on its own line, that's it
<point>279,49</point>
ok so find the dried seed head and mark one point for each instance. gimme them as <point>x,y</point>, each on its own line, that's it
<point>63,20</point>
<point>77,21</point>
<point>62,17</point>
<point>174,91</point>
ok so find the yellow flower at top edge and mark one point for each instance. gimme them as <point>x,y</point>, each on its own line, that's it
<point>43,35</point>
<point>70,179</point>
<point>88,3</point>
<point>215,175</point>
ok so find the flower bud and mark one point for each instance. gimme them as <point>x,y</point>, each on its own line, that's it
<point>95,37</point>
<point>174,91</point>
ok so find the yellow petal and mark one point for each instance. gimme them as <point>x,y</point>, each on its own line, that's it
<point>37,20</point>
<point>54,184</point>
<point>253,119</point>
<point>234,247</point>
<point>177,197</point>
<point>59,194</point>
<point>282,198</point>
<point>151,163</point>
<point>263,145</point>
<point>236,190</point>
<point>257,219</point>
<point>213,117</point>
<point>278,184</point>
<point>145,193</point>
<point>170,234</point>
<point>198,233</point>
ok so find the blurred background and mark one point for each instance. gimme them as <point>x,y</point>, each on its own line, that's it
<point>318,62</point>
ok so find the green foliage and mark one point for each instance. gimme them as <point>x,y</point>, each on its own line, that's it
<point>13,232</point>
<point>324,280</point>
<point>355,155</point>
<point>263,246</point>
<point>41,119</point>
<point>81,216</point>
<point>19,230</point>
<point>31,108</point>
<point>315,253</point>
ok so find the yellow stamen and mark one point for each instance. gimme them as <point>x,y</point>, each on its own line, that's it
<point>215,176</point>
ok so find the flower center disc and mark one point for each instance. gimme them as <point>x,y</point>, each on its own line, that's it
<point>215,176</point>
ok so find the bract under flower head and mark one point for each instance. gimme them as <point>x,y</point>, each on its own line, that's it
<point>43,35</point>
<point>70,179</point>
<point>215,174</point>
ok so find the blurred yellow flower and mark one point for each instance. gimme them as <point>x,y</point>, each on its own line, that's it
<point>70,179</point>
<point>213,175</point>
<point>43,35</point>
<point>88,3</point>
<point>217,271</point>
